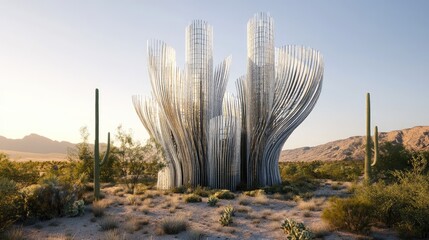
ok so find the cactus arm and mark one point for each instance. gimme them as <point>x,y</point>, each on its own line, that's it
<point>375,146</point>
<point>106,154</point>
<point>368,139</point>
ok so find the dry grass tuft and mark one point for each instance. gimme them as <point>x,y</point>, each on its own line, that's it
<point>194,235</point>
<point>14,233</point>
<point>114,234</point>
<point>244,200</point>
<point>261,199</point>
<point>135,224</point>
<point>313,204</point>
<point>307,214</point>
<point>99,207</point>
<point>144,209</point>
<point>60,236</point>
<point>173,225</point>
<point>265,214</point>
<point>243,209</point>
<point>108,223</point>
<point>320,228</point>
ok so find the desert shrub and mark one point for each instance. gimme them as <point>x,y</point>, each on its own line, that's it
<point>193,198</point>
<point>137,163</point>
<point>254,193</point>
<point>353,214</point>
<point>212,201</point>
<point>296,230</point>
<point>11,203</point>
<point>82,157</point>
<point>173,225</point>
<point>339,170</point>
<point>22,173</point>
<point>224,194</point>
<point>403,204</point>
<point>392,157</point>
<point>201,191</point>
<point>345,170</point>
<point>49,199</point>
<point>180,189</point>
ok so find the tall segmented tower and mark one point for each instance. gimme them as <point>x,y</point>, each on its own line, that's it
<point>214,139</point>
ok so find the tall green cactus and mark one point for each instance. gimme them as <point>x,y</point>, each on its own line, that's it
<point>367,170</point>
<point>97,163</point>
<point>368,150</point>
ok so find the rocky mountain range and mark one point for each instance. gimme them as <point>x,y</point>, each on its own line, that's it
<point>416,138</point>
<point>34,143</point>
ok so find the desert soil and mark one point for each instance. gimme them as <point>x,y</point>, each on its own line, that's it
<point>260,218</point>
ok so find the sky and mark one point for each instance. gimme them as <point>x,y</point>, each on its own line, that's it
<point>53,54</point>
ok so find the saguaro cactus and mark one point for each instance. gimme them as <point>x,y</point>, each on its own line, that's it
<point>97,163</point>
<point>368,149</point>
<point>368,139</point>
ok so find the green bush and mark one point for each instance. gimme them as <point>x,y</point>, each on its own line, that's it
<point>49,199</point>
<point>22,173</point>
<point>345,170</point>
<point>224,194</point>
<point>353,214</point>
<point>403,204</point>
<point>201,191</point>
<point>193,198</point>
<point>254,193</point>
<point>339,170</point>
<point>296,230</point>
<point>11,203</point>
<point>180,189</point>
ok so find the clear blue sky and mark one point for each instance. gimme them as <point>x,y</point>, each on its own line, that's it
<point>53,54</point>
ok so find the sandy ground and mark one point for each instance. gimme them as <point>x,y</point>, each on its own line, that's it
<point>35,157</point>
<point>259,218</point>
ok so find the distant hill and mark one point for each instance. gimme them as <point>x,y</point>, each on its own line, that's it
<point>34,143</point>
<point>416,138</point>
<point>36,147</point>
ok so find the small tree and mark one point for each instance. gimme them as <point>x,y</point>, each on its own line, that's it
<point>136,162</point>
<point>83,154</point>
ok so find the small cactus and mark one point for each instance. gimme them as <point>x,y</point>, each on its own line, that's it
<point>212,201</point>
<point>229,210</point>
<point>225,219</point>
<point>226,216</point>
<point>77,208</point>
<point>296,230</point>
